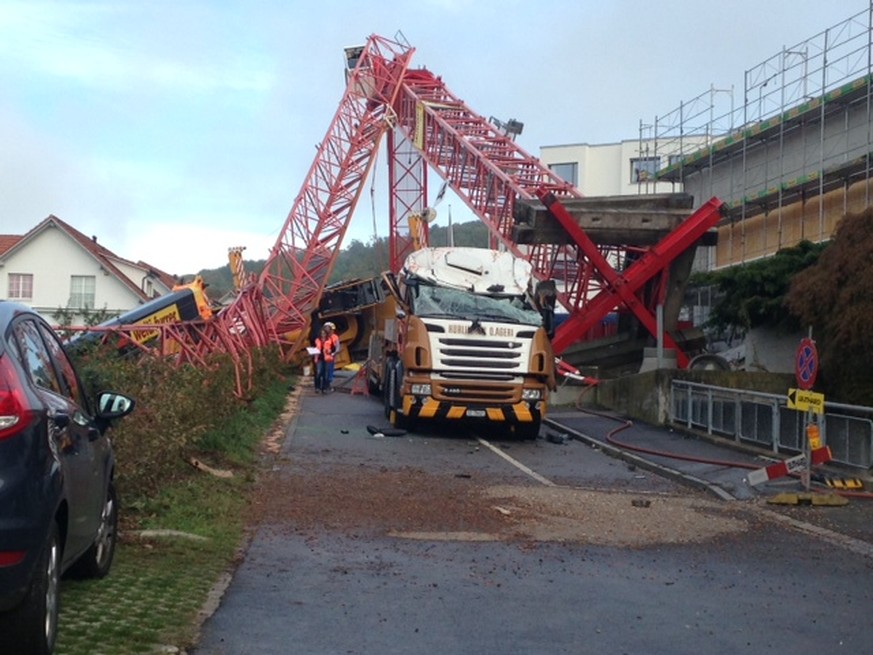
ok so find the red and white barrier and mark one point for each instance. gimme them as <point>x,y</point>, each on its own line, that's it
<point>793,465</point>
<point>565,370</point>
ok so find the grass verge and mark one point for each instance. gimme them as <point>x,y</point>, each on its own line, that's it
<point>152,598</point>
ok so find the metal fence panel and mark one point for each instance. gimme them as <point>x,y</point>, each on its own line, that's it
<point>791,434</point>
<point>724,415</point>
<point>765,420</point>
<point>756,422</point>
<point>849,438</point>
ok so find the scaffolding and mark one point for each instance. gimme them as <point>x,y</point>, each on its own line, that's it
<point>790,155</point>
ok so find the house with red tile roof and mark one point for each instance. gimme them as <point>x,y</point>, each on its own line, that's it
<point>62,273</point>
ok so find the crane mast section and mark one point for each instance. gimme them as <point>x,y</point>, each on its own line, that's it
<point>407,173</point>
<point>305,252</point>
<point>482,166</point>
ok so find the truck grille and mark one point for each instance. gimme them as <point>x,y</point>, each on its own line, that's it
<point>478,391</point>
<point>458,354</point>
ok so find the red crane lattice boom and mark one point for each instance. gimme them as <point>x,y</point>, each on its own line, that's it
<point>483,166</point>
<point>301,262</point>
<point>487,170</point>
<point>427,127</point>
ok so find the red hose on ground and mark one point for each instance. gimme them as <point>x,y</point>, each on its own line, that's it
<point>627,423</point>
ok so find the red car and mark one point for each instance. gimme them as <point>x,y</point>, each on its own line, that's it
<point>58,506</point>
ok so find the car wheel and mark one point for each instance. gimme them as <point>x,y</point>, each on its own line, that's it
<point>32,627</point>
<point>97,560</point>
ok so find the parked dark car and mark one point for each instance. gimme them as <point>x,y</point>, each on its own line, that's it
<point>58,506</point>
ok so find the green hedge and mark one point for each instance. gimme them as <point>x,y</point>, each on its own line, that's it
<point>181,412</point>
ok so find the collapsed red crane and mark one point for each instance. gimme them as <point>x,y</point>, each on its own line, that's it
<point>490,173</point>
<point>427,126</point>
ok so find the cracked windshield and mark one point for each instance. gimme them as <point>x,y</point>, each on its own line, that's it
<point>457,303</point>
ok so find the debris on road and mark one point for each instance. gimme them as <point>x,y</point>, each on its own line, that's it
<point>560,438</point>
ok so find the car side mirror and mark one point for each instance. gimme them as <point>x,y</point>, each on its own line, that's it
<point>114,405</point>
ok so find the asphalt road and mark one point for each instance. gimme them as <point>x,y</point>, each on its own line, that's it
<point>448,578</point>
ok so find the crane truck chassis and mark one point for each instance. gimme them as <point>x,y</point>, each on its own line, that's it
<point>468,341</point>
<point>185,302</point>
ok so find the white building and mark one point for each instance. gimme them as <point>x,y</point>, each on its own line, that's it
<point>611,169</point>
<point>65,275</point>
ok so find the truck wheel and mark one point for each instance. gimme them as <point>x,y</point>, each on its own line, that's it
<point>387,385</point>
<point>391,386</point>
<point>391,393</point>
<point>396,420</point>
<point>373,386</point>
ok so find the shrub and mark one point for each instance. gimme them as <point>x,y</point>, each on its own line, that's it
<point>182,411</point>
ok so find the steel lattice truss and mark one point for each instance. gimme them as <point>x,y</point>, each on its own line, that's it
<point>623,288</point>
<point>490,173</point>
<point>483,166</point>
<point>407,174</point>
<point>300,263</point>
<point>427,126</point>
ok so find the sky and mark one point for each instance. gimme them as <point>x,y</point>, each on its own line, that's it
<point>175,129</point>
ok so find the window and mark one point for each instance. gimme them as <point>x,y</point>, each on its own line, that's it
<point>82,291</point>
<point>643,169</point>
<point>568,172</point>
<point>36,357</point>
<point>20,286</point>
<point>65,368</point>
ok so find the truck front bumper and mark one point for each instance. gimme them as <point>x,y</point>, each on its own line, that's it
<point>426,408</point>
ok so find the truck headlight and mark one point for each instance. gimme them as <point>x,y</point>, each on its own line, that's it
<point>421,389</point>
<point>531,394</point>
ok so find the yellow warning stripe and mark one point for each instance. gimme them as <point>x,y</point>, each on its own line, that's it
<point>844,483</point>
<point>429,408</point>
<point>522,412</point>
<point>456,412</point>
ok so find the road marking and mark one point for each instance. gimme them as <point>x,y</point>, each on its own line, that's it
<point>857,546</point>
<point>521,467</point>
<point>658,469</point>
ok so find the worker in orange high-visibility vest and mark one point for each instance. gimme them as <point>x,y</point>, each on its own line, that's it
<point>318,359</point>
<point>327,344</point>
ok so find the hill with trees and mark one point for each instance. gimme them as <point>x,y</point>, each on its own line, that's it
<point>358,260</point>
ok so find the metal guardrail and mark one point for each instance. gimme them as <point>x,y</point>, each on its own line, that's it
<point>764,420</point>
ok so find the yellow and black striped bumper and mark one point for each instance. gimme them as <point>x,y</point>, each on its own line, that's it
<point>429,409</point>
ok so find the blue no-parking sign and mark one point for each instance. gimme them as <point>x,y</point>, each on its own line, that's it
<point>806,364</point>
